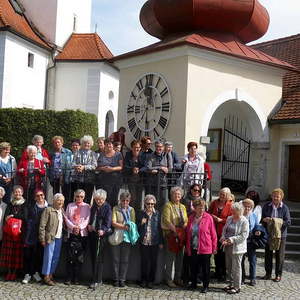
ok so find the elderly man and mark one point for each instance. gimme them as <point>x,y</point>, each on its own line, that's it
<point>157,168</point>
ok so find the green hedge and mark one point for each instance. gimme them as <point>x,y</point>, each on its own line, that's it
<point>19,125</point>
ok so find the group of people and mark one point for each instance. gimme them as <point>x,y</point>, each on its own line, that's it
<point>141,169</point>
<point>90,213</point>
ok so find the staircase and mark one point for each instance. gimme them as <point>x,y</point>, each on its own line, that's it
<point>293,237</point>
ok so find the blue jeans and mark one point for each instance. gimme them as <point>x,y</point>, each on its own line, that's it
<point>251,253</point>
<point>51,256</point>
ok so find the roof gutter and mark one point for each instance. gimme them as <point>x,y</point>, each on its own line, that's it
<point>284,121</point>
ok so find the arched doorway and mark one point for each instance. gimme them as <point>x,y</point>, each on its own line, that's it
<point>237,160</point>
<point>109,123</point>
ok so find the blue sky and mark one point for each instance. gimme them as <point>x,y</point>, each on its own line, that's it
<point>118,22</point>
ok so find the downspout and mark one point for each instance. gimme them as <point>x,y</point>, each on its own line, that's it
<point>53,64</point>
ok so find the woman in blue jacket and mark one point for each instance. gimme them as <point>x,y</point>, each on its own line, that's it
<point>251,252</point>
<point>151,240</point>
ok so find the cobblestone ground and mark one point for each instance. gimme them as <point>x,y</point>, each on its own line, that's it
<point>288,288</point>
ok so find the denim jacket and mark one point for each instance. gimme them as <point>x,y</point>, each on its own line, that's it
<point>156,231</point>
<point>66,165</point>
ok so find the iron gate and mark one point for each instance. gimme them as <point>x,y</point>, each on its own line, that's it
<point>235,154</point>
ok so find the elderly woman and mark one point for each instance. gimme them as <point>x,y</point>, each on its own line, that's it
<point>3,206</point>
<point>193,169</point>
<point>8,168</point>
<point>11,256</point>
<point>122,215</point>
<point>50,236</point>
<point>42,154</point>
<point>201,242</point>
<point>60,168</point>
<point>174,221</point>
<point>84,164</point>
<point>99,227</point>
<point>133,169</point>
<point>110,165</point>
<point>234,241</point>
<point>252,193</point>
<point>251,253</point>
<point>100,143</point>
<point>33,250</point>
<point>31,171</point>
<point>75,145</point>
<point>77,218</point>
<point>275,214</point>
<point>150,239</point>
<point>220,209</point>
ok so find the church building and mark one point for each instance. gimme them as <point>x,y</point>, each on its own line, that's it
<point>49,59</point>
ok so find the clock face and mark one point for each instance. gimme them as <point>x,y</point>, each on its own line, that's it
<point>149,107</point>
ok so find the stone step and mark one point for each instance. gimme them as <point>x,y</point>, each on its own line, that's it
<point>293,246</point>
<point>295,221</point>
<point>293,237</point>
<point>288,254</point>
<point>294,229</point>
<point>295,213</point>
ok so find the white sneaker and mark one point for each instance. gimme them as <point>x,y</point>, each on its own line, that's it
<point>26,279</point>
<point>37,277</point>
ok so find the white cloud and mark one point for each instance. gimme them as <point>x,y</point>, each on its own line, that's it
<point>118,22</point>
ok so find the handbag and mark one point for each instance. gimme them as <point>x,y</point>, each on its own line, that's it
<point>176,243</point>
<point>12,227</point>
<point>117,237</point>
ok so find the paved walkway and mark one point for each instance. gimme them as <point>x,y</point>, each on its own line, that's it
<point>288,288</point>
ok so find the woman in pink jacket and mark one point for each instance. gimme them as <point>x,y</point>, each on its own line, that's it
<point>201,242</point>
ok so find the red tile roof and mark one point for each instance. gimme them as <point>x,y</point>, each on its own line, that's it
<point>287,49</point>
<point>17,23</point>
<point>84,47</point>
<point>223,43</point>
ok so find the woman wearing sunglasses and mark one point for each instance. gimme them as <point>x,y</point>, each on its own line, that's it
<point>149,226</point>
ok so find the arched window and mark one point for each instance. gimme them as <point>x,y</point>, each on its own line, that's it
<point>109,123</point>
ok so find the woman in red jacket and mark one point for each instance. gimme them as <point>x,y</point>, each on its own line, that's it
<point>220,209</point>
<point>31,172</point>
<point>201,242</point>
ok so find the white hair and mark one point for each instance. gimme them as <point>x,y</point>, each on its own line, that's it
<point>174,189</point>
<point>237,206</point>
<point>31,148</point>
<point>37,138</point>
<point>79,191</point>
<point>2,190</point>
<point>150,197</point>
<point>57,196</point>
<point>87,138</point>
<point>124,195</point>
<point>225,190</point>
<point>100,193</point>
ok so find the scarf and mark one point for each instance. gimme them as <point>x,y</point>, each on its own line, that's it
<point>43,205</point>
<point>17,202</point>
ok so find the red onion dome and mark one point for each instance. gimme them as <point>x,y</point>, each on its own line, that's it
<point>248,20</point>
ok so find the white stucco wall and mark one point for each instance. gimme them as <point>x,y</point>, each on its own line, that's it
<point>55,18</point>
<point>2,54</point>
<point>23,86</point>
<point>86,86</point>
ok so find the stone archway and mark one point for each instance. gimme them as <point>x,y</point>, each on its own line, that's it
<point>109,123</point>
<point>239,106</point>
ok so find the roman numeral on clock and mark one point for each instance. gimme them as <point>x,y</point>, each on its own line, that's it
<point>130,109</point>
<point>149,80</point>
<point>140,85</point>
<point>164,92</point>
<point>137,134</point>
<point>137,109</point>
<point>163,122</point>
<point>131,124</point>
<point>133,95</point>
<point>165,106</point>
<point>155,133</point>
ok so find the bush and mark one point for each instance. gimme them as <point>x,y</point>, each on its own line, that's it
<point>19,125</point>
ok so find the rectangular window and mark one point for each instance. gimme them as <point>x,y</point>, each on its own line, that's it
<point>30,60</point>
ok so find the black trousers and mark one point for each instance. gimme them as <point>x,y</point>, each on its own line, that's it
<point>200,262</point>
<point>186,268</point>
<point>33,259</point>
<point>76,247</point>
<point>148,262</point>
<point>220,262</point>
<point>279,259</point>
<point>97,255</point>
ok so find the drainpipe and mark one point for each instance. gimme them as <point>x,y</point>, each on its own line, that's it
<point>53,64</point>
